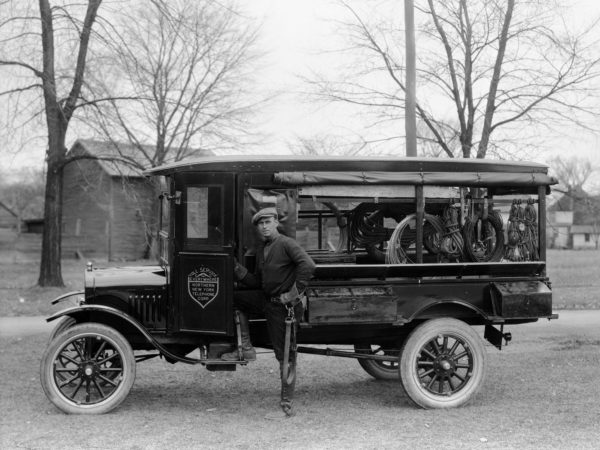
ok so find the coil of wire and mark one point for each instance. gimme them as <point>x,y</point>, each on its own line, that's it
<point>396,253</point>
<point>491,246</point>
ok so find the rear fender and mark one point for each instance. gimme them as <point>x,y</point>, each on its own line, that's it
<point>106,313</point>
<point>435,307</point>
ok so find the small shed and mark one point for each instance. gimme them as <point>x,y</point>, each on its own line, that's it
<point>109,208</point>
<point>585,237</point>
<point>35,226</point>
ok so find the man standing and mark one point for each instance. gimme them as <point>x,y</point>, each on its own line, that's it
<point>283,270</point>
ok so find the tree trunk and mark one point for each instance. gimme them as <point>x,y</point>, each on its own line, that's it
<point>491,97</point>
<point>58,114</point>
<point>50,265</point>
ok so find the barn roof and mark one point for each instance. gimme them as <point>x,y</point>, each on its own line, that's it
<point>10,211</point>
<point>117,159</point>
<point>582,229</point>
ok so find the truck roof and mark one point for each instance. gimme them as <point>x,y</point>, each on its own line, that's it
<point>295,163</point>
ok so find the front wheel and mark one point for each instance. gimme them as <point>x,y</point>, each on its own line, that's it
<point>64,324</point>
<point>87,369</point>
<point>442,364</point>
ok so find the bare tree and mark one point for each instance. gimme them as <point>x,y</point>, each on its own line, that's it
<point>494,66</point>
<point>23,193</point>
<point>572,173</point>
<point>177,80</point>
<point>36,67</point>
<point>170,74</point>
<point>326,145</point>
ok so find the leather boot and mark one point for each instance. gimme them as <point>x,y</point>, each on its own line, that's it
<point>288,387</point>
<point>248,352</point>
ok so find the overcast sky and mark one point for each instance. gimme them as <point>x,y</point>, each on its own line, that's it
<point>294,35</point>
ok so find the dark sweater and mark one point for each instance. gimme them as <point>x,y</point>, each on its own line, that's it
<point>286,263</point>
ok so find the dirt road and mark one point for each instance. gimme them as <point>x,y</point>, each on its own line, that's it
<point>541,391</point>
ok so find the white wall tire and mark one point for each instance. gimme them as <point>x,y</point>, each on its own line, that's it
<point>442,364</point>
<point>63,324</point>
<point>87,369</point>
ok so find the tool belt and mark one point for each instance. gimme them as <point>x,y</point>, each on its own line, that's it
<point>290,298</point>
<point>294,302</point>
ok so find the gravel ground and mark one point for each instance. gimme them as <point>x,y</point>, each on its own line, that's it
<point>540,392</point>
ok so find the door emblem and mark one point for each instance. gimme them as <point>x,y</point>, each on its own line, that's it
<point>203,285</point>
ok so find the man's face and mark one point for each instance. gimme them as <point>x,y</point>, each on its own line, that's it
<point>267,227</point>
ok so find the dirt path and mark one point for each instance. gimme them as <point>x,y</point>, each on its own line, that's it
<point>24,326</point>
<point>568,320</point>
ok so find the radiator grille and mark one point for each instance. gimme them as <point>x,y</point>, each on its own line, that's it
<point>149,309</point>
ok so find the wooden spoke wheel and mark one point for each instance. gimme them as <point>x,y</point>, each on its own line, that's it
<point>442,364</point>
<point>87,369</point>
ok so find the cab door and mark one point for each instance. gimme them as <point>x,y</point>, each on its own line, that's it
<point>205,229</point>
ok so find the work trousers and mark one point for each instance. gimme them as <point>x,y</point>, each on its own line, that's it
<point>255,303</point>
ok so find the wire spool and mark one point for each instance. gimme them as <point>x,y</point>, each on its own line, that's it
<point>530,234</point>
<point>452,243</point>
<point>433,229</point>
<point>366,229</point>
<point>522,233</point>
<point>365,226</point>
<point>484,238</point>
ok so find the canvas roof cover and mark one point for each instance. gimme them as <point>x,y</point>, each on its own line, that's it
<point>415,178</point>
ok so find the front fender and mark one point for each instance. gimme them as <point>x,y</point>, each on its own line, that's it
<point>78,311</point>
<point>68,295</point>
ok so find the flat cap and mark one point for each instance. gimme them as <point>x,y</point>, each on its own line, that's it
<point>265,212</point>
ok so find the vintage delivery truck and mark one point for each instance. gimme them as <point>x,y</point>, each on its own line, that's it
<point>412,255</point>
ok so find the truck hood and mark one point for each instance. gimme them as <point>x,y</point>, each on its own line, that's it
<point>142,276</point>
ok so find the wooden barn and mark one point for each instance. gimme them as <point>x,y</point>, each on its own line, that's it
<point>108,207</point>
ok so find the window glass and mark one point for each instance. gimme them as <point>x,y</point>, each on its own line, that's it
<point>165,206</point>
<point>204,214</point>
<point>164,212</point>
<point>197,212</point>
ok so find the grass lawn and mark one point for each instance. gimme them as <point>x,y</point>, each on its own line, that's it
<point>575,277</point>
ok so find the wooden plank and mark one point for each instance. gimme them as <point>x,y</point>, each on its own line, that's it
<point>542,223</point>
<point>420,207</point>
<point>347,309</point>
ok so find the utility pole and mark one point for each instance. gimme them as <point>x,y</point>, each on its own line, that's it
<point>410,119</point>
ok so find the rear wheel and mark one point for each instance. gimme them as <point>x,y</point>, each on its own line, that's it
<point>87,369</point>
<point>381,370</point>
<point>442,364</point>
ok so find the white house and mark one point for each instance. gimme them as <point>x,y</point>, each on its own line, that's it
<point>558,228</point>
<point>584,236</point>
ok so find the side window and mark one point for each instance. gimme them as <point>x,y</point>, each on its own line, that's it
<point>165,205</point>
<point>204,215</point>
